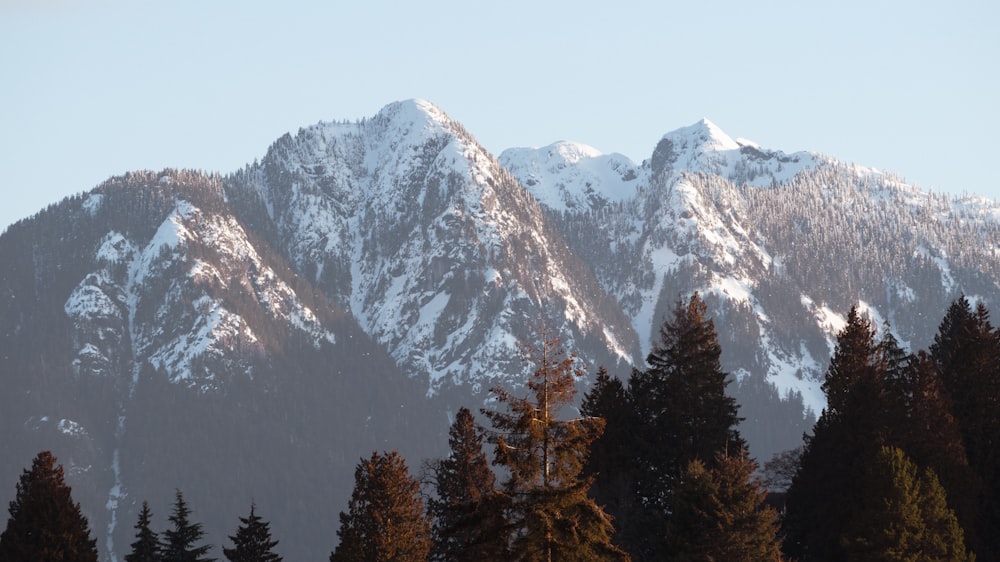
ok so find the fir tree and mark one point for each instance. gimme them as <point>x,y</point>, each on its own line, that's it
<point>44,522</point>
<point>966,350</point>
<point>178,543</point>
<point>904,516</point>
<point>719,514</point>
<point>146,547</point>
<point>544,456</point>
<point>682,413</point>
<point>611,464</point>
<point>468,512</point>
<point>823,496</point>
<point>385,520</point>
<point>252,542</point>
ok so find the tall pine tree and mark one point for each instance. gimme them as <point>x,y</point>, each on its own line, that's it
<point>682,413</point>
<point>44,522</point>
<point>544,456</point>
<point>468,512</point>
<point>178,543</point>
<point>966,349</point>
<point>611,463</point>
<point>146,547</point>
<point>252,541</point>
<point>385,520</point>
<point>823,496</point>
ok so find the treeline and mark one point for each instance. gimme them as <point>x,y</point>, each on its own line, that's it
<point>902,465</point>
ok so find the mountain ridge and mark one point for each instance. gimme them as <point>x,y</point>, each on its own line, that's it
<point>363,280</point>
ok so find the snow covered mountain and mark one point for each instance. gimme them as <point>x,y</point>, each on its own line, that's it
<point>251,336</point>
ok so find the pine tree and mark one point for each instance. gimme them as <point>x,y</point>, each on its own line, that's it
<point>252,542</point>
<point>146,547</point>
<point>178,543</point>
<point>385,520</point>
<point>966,350</point>
<point>611,464</point>
<point>468,512</point>
<point>719,514</point>
<point>544,456</point>
<point>44,522</point>
<point>904,516</point>
<point>682,413</point>
<point>823,496</point>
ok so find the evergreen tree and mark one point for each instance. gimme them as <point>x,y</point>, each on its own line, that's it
<point>966,350</point>
<point>544,456</point>
<point>719,514</point>
<point>682,413</point>
<point>823,496</point>
<point>146,547</point>
<point>922,425</point>
<point>178,543</point>
<point>468,512</point>
<point>611,464</point>
<point>904,516</point>
<point>252,542</point>
<point>385,520</point>
<point>44,522</point>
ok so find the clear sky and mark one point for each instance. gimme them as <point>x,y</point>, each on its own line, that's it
<point>94,88</point>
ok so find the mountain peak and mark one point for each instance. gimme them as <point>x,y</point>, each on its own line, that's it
<point>704,136</point>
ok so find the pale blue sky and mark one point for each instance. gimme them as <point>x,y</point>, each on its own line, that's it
<point>91,89</point>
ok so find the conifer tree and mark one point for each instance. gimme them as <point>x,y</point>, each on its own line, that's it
<point>681,413</point>
<point>966,350</point>
<point>385,520</point>
<point>823,496</point>
<point>178,543</point>
<point>681,398</point>
<point>146,547</point>
<point>252,541</point>
<point>44,522</point>
<point>553,517</point>
<point>468,512</point>
<point>903,515</point>
<point>719,514</point>
<point>611,464</point>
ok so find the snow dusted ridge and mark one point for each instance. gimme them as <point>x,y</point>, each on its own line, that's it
<point>567,175</point>
<point>105,303</point>
<point>436,250</point>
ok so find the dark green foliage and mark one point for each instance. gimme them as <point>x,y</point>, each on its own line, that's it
<point>385,520</point>
<point>823,496</point>
<point>44,522</point>
<point>967,352</point>
<point>252,542</point>
<point>903,516</point>
<point>611,463</point>
<point>681,398</point>
<point>178,543</point>
<point>719,514</point>
<point>468,512</point>
<point>681,413</point>
<point>146,547</point>
<point>552,517</point>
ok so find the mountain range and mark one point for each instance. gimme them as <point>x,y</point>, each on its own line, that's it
<point>250,336</point>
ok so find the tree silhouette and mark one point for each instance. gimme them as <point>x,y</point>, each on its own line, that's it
<point>146,547</point>
<point>252,542</point>
<point>44,522</point>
